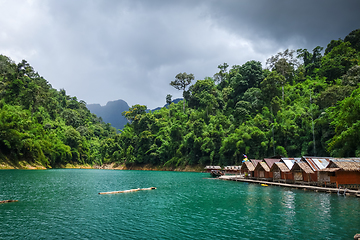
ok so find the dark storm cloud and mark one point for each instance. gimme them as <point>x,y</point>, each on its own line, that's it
<point>315,22</point>
<point>143,46</point>
<point>107,50</point>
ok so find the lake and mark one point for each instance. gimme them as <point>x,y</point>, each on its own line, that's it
<point>65,204</point>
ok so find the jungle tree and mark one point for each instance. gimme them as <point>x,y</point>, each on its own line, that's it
<point>182,80</point>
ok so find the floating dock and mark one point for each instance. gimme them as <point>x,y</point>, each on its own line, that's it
<point>342,191</point>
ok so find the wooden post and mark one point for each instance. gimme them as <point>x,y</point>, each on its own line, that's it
<point>8,201</point>
<point>131,190</point>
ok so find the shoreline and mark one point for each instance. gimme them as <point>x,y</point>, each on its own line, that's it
<point>5,164</point>
<point>23,165</point>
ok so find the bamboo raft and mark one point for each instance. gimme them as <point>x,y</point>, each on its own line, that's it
<point>131,190</point>
<point>8,201</point>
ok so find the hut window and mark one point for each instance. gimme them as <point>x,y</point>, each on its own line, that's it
<point>331,174</point>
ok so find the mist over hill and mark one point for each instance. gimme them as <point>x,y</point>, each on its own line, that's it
<point>111,112</point>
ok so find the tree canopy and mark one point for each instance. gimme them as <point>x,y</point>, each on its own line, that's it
<point>41,125</point>
<point>302,104</point>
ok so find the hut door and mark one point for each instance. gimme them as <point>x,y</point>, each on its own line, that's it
<point>323,177</point>
<point>277,175</point>
<point>262,174</point>
<point>298,176</point>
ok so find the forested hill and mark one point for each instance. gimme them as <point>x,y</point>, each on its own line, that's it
<point>303,102</point>
<point>39,124</point>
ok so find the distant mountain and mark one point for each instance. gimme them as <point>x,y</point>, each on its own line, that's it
<point>111,112</point>
<point>166,105</point>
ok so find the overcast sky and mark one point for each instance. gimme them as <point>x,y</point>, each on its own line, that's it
<point>106,50</point>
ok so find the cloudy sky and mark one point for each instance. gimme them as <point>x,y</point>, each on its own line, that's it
<point>104,50</point>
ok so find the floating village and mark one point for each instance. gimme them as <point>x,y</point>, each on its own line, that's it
<point>322,174</point>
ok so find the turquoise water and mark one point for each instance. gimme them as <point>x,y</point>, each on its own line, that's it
<point>65,204</point>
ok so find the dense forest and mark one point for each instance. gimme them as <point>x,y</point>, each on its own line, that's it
<point>301,103</point>
<point>41,125</point>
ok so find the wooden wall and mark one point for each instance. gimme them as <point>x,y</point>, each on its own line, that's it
<point>348,177</point>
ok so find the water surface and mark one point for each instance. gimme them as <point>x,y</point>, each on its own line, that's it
<point>65,204</point>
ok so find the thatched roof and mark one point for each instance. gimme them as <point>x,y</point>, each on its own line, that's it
<point>303,166</point>
<point>248,165</point>
<point>255,162</point>
<point>262,166</point>
<point>279,165</point>
<point>271,161</point>
<point>345,164</point>
<point>330,169</point>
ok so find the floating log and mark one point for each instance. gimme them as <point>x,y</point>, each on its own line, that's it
<point>131,190</point>
<point>7,201</point>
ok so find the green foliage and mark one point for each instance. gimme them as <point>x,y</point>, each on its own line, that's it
<point>311,61</point>
<point>354,39</point>
<point>333,94</point>
<point>42,125</point>
<point>134,112</point>
<point>352,77</point>
<point>338,61</point>
<point>248,110</point>
<point>221,76</point>
<point>182,80</point>
<point>346,121</point>
<point>205,96</point>
<point>290,109</point>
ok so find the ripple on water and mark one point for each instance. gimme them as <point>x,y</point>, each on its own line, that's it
<point>65,204</point>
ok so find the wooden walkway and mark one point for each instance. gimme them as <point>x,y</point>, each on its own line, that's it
<point>342,191</point>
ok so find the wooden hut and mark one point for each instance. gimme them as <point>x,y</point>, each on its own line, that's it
<point>262,171</point>
<point>232,169</point>
<point>247,168</point>
<point>210,168</point>
<point>280,171</point>
<point>270,162</point>
<point>343,172</point>
<point>302,172</point>
<point>316,164</point>
<point>289,162</point>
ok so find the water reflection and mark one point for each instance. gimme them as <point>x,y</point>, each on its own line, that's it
<point>288,199</point>
<point>325,205</point>
<point>288,210</point>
